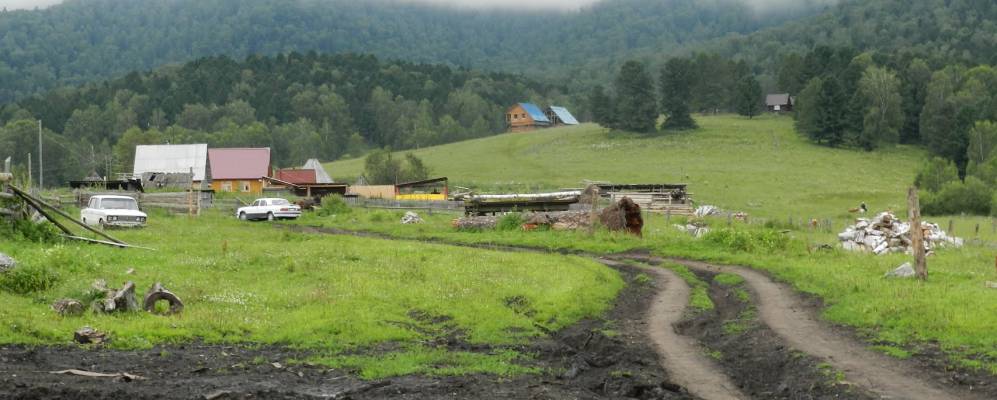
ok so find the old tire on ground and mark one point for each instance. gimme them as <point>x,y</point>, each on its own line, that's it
<point>156,293</point>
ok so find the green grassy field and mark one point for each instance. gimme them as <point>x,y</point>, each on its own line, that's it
<point>252,283</point>
<point>759,166</point>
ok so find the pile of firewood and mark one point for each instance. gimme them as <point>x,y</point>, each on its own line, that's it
<point>624,215</point>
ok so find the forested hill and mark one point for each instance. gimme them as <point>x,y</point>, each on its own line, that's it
<point>947,31</point>
<point>85,40</point>
<point>300,105</point>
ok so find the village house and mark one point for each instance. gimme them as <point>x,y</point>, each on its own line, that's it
<point>171,165</point>
<point>560,116</point>
<point>524,117</point>
<point>779,103</point>
<point>239,169</point>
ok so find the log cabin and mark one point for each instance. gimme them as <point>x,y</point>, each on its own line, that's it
<point>525,117</point>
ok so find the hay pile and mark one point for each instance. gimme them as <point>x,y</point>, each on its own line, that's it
<point>887,234</point>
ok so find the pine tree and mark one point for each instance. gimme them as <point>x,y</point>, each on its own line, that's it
<point>636,106</point>
<point>749,94</point>
<point>676,80</point>
<point>601,106</point>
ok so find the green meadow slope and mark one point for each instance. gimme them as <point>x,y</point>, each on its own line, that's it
<point>760,166</point>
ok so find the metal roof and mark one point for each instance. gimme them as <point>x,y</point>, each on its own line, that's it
<point>779,99</point>
<point>535,112</point>
<point>564,115</point>
<point>320,175</point>
<point>297,176</point>
<point>239,163</point>
<point>171,158</point>
<point>422,182</point>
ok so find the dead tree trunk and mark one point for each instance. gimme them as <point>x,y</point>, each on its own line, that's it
<point>917,234</point>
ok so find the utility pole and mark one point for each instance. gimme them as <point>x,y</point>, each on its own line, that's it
<point>41,162</point>
<point>29,172</point>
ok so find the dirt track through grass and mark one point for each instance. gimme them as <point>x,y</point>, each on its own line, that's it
<point>783,310</point>
<point>785,313</point>
<point>682,356</point>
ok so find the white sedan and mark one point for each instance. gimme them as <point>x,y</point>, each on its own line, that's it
<point>106,211</point>
<point>269,209</point>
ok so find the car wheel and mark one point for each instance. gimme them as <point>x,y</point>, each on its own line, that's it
<point>101,224</point>
<point>242,216</point>
<point>270,217</point>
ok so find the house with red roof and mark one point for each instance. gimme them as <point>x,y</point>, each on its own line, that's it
<point>297,176</point>
<point>239,169</point>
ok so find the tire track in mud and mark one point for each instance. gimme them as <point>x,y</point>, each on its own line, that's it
<point>682,356</point>
<point>785,313</point>
<point>782,309</point>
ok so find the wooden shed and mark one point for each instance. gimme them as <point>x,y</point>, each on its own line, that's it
<point>779,103</point>
<point>662,198</point>
<point>435,189</point>
<point>524,117</point>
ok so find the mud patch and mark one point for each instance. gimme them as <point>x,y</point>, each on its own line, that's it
<point>602,358</point>
<point>754,357</point>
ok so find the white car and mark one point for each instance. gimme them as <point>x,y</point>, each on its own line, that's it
<point>108,211</point>
<point>269,209</point>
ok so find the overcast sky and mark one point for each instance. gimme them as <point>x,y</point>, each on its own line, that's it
<point>518,4</point>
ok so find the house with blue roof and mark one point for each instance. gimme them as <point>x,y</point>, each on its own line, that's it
<point>560,116</point>
<point>524,117</point>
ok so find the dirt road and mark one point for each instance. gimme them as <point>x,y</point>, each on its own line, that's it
<point>786,314</point>
<point>682,356</point>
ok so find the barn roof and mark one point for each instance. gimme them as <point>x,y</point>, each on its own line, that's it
<point>778,99</point>
<point>565,116</point>
<point>535,112</point>
<point>239,163</point>
<point>172,158</point>
<point>297,176</point>
<point>320,175</point>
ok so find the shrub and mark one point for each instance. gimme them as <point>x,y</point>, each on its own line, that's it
<point>509,222</point>
<point>748,240</point>
<point>30,231</point>
<point>334,204</point>
<point>935,174</point>
<point>28,278</point>
<point>971,196</point>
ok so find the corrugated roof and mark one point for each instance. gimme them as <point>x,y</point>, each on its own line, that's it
<point>320,175</point>
<point>297,176</point>
<point>565,116</point>
<point>535,112</point>
<point>244,163</point>
<point>778,99</point>
<point>171,158</point>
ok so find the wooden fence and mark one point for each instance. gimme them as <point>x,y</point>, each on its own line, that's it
<point>405,204</point>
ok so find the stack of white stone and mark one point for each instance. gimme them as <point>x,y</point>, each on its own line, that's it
<point>887,234</point>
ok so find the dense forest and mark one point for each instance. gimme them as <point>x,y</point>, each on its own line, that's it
<point>300,105</point>
<point>85,40</point>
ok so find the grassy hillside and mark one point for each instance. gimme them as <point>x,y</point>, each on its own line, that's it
<point>760,166</point>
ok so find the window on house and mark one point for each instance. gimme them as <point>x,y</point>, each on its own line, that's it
<point>226,186</point>
<point>244,185</point>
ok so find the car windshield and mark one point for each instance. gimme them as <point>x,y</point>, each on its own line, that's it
<point>118,204</point>
<point>280,202</point>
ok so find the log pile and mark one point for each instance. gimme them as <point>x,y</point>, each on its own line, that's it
<point>624,215</point>
<point>887,234</point>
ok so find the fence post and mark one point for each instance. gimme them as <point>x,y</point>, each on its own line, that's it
<point>917,234</point>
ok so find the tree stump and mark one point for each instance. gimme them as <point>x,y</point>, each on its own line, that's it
<point>88,335</point>
<point>156,293</point>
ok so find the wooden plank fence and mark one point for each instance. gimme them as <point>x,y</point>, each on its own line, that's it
<point>405,204</point>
